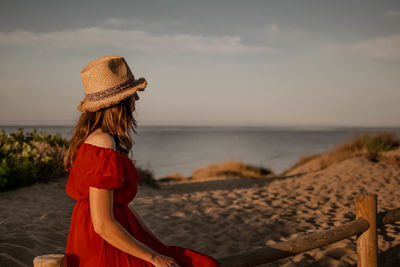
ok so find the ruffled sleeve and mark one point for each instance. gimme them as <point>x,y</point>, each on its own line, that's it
<point>100,167</point>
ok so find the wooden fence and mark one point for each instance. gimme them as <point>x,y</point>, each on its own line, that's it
<point>365,225</point>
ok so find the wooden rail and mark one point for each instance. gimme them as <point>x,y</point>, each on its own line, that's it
<point>388,217</point>
<point>296,245</point>
<point>364,225</point>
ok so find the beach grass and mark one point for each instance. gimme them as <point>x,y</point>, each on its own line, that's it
<point>371,147</point>
<point>229,168</point>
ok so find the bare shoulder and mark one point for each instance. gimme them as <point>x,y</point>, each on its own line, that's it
<point>101,139</point>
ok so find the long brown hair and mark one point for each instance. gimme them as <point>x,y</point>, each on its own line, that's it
<point>116,120</point>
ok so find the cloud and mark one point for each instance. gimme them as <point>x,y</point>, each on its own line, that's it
<point>115,22</point>
<point>273,30</point>
<point>393,13</point>
<point>130,40</point>
<point>381,48</point>
<point>138,24</point>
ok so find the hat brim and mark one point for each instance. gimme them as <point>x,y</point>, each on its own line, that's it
<point>93,106</point>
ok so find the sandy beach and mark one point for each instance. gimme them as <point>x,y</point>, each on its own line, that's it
<point>255,128</point>
<point>220,217</point>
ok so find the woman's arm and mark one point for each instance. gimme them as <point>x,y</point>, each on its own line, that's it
<point>101,204</point>
<point>143,224</point>
<point>104,224</point>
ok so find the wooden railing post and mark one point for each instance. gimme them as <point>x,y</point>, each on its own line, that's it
<point>367,243</point>
<point>51,260</point>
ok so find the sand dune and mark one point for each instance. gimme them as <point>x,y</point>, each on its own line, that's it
<point>221,217</point>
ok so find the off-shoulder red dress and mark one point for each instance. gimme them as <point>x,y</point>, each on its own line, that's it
<point>106,168</point>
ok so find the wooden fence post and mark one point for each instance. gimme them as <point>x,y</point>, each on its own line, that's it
<point>51,260</point>
<point>367,243</point>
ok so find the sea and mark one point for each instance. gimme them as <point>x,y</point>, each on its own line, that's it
<point>182,149</point>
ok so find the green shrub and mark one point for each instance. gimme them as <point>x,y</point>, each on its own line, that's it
<point>147,178</point>
<point>381,142</point>
<point>374,144</point>
<point>27,158</point>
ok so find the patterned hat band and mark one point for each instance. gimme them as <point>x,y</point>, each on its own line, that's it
<point>110,92</point>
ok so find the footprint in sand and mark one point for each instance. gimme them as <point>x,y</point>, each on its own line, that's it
<point>337,253</point>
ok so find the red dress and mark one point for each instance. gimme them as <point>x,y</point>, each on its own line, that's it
<point>106,168</point>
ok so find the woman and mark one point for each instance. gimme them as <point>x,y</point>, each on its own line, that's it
<point>104,230</point>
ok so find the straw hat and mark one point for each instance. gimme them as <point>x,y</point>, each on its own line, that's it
<point>106,81</point>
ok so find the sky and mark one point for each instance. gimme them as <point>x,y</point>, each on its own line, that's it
<point>208,63</point>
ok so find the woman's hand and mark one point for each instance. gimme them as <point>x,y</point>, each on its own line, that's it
<point>164,261</point>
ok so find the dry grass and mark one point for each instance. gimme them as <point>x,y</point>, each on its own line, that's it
<point>372,147</point>
<point>231,168</point>
<point>174,177</point>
